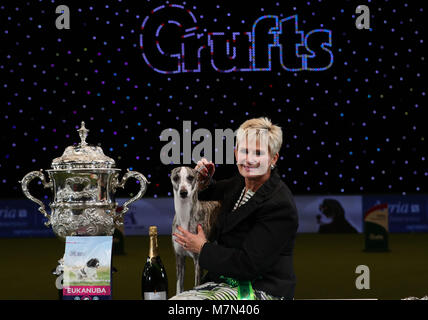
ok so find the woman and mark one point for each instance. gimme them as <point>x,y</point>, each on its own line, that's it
<point>252,256</point>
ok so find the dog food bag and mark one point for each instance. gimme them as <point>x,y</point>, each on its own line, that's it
<point>87,268</point>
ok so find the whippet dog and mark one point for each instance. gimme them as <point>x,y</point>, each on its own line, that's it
<point>189,212</point>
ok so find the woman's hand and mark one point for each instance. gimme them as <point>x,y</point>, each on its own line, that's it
<point>190,241</point>
<point>205,168</point>
<point>206,171</point>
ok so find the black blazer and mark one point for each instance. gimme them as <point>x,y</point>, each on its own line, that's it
<point>256,241</point>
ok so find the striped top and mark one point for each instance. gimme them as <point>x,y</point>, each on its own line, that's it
<point>243,199</point>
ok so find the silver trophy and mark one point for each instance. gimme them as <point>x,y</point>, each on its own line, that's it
<point>84,181</point>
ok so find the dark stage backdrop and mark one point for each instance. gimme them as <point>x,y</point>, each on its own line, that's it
<point>350,101</point>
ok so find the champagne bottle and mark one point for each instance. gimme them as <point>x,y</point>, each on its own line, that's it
<point>154,282</point>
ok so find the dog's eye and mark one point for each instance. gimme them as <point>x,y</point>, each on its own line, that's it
<point>190,178</point>
<point>175,178</point>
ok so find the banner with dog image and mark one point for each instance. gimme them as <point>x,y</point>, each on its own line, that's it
<point>376,228</point>
<point>87,268</point>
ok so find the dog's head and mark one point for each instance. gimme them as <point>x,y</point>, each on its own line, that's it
<point>93,263</point>
<point>332,208</point>
<point>184,182</point>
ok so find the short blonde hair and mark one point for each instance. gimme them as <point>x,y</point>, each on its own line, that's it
<point>259,125</point>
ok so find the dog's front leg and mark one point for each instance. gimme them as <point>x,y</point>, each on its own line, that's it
<point>197,271</point>
<point>180,264</point>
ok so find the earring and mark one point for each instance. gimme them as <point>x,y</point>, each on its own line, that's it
<point>272,167</point>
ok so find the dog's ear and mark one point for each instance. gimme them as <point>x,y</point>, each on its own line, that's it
<point>200,182</point>
<point>92,262</point>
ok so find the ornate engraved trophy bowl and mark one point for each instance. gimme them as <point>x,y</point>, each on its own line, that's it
<point>84,182</point>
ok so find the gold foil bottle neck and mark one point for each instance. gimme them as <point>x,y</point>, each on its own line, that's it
<point>153,231</point>
<point>153,249</point>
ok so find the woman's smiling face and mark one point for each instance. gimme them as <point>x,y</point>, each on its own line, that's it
<point>253,156</point>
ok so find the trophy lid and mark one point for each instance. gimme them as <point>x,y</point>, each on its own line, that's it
<point>83,155</point>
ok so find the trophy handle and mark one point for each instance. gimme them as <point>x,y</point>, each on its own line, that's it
<point>24,184</point>
<point>143,188</point>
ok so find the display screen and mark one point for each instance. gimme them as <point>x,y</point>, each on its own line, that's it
<point>346,85</point>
